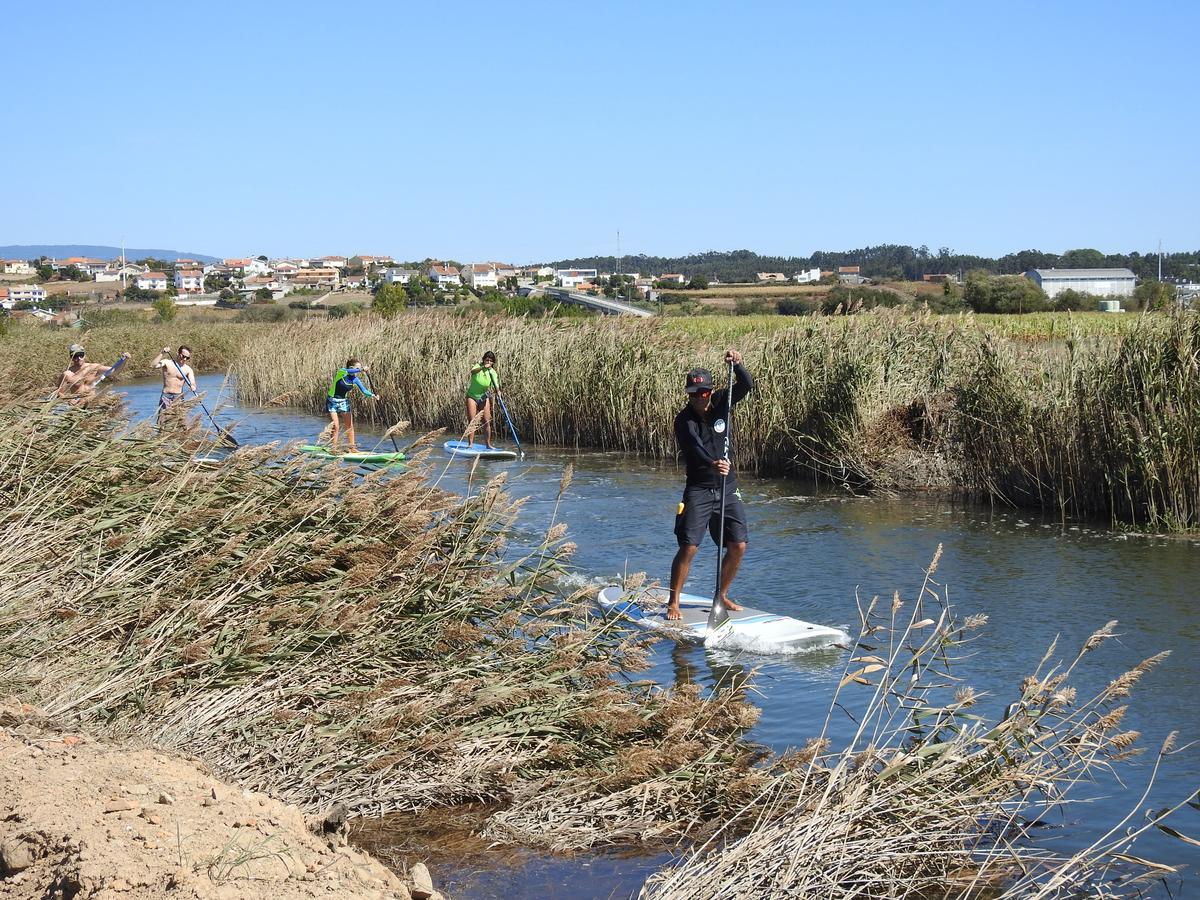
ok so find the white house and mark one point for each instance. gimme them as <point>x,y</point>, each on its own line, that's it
<point>152,281</point>
<point>329,262</point>
<point>21,293</point>
<point>808,276</point>
<point>1097,282</point>
<point>399,276</point>
<point>189,281</point>
<point>770,276</point>
<point>504,270</point>
<point>673,277</point>
<point>247,266</point>
<point>115,270</point>
<point>538,272</point>
<point>18,267</point>
<point>481,275</point>
<point>574,277</point>
<point>444,276</point>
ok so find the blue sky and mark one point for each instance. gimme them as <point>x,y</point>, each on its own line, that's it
<point>536,131</point>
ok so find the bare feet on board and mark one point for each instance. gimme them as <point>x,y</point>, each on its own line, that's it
<point>673,613</point>
<point>730,605</point>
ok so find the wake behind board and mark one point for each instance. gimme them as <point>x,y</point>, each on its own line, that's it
<point>749,629</point>
<point>361,457</point>
<point>479,451</point>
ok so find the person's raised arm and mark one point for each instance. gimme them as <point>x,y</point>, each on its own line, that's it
<point>161,359</point>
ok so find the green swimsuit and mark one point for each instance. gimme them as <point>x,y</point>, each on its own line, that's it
<point>482,382</point>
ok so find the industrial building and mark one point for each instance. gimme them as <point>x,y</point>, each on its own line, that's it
<point>1097,282</point>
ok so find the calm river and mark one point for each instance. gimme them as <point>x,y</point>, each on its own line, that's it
<point>809,555</point>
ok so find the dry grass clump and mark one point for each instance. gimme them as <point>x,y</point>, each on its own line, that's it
<point>313,632</point>
<point>927,798</point>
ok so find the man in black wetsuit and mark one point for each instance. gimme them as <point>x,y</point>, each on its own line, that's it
<point>702,433</point>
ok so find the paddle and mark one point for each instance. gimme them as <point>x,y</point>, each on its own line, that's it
<point>120,362</point>
<point>718,615</point>
<point>222,434</point>
<point>375,395</point>
<point>507,418</point>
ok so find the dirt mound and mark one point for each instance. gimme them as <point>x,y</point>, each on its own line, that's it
<point>82,819</point>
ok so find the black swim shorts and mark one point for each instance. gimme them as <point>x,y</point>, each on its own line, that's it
<point>701,509</point>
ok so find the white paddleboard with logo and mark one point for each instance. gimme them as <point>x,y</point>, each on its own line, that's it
<point>747,629</point>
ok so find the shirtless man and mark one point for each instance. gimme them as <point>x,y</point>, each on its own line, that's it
<point>174,375</point>
<point>78,381</point>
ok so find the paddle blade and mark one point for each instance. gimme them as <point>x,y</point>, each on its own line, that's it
<point>718,615</point>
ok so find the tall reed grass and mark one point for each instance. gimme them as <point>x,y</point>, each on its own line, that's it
<point>320,635</point>
<point>1095,426</point>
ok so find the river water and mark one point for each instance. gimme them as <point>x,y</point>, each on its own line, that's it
<point>810,555</point>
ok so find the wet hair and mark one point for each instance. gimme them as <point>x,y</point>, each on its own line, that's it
<point>353,362</point>
<point>488,354</point>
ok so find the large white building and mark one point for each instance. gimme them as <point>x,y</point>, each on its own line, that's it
<point>1097,282</point>
<point>17,267</point>
<point>480,275</point>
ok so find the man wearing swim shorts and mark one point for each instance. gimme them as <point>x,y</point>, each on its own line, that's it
<point>174,374</point>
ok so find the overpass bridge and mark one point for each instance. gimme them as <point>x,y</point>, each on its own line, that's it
<point>601,304</point>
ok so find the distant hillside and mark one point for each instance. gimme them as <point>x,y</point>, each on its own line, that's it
<point>62,251</point>
<point>888,261</point>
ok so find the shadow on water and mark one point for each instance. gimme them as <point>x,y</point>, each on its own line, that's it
<point>815,556</point>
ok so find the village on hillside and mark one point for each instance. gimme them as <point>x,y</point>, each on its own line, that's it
<point>55,291</point>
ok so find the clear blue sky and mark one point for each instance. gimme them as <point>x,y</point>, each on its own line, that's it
<point>534,131</point>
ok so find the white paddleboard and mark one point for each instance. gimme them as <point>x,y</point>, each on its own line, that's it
<point>748,629</point>
<point>479,451</point>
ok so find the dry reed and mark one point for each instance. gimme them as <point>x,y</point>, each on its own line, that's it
<point>311,632</point>
<point>928,798</point>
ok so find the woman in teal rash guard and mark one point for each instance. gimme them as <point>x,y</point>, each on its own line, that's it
<point>337,400</point>
<point>484,379</point>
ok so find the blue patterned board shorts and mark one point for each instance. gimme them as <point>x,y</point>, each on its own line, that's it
<point>337,404</point>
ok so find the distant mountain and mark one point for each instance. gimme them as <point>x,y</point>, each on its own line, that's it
<point>62,251</point>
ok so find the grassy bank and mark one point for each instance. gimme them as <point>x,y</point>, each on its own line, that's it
<point>1087,425</point>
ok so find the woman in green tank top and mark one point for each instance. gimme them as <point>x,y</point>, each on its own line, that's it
<point>484,379</point>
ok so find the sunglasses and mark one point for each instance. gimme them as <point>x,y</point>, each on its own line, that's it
<point>702,394</point>
<point>185,356</point>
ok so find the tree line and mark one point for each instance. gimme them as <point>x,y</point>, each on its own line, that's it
<point>891,262</point>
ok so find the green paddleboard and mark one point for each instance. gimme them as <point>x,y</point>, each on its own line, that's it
<point>317,450</point>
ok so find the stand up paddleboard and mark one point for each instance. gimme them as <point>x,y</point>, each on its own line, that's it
<point>748,629</point>
<point>362,457</point>
<point>479,451</point>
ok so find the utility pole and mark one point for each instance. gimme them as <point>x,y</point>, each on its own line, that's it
<point>1160,260</point>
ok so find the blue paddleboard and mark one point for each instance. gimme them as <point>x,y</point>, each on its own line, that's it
<point>478,451</point>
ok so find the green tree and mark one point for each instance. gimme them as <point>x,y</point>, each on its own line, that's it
<point>698,283</point>
<point>73,272</point>
<point>987,293</point>
<point>1151,294</point>
<point>1082,259</point>
<point>390,300</point>
<point>165,309</point>
<point>263,295</point>
<point>44,270</point>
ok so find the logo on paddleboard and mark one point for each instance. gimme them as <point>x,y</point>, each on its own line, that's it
<point>719,426</point>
